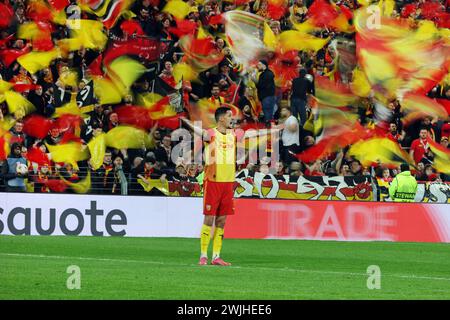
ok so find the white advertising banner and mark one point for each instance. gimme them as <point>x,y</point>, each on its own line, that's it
<point>140,216</point>
<point>94,215</point>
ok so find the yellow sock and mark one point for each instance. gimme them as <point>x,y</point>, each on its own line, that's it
<point>205,237</point>
<point>217,244</point>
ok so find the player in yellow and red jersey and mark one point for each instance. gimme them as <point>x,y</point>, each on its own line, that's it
<point>220,170</point>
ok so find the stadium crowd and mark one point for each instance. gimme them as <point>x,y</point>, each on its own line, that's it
<point>262,99</point>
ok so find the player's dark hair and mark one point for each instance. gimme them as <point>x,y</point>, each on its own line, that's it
<point>220,111</point>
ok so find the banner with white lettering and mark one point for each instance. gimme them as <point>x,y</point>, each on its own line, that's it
<point>434,192</point>
<point>269,186</point>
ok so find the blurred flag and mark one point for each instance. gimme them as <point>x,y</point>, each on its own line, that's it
<point>296,40</point>
<point>109,10</point>
<point>416,107</point>
<point>370,151</point>
<point>5,137</point>
<point>441,161</point>
<point>18,105</point>
<point>126,137</point>
<point>71,152</point>
<point>36,60</point>
<point>97,149</point>
<point>200,54</point>
<point>245,36</point>
<point>37,126</point>
<point>82,186</point>
<point>179,9</point>
<point>35,154</point>
<point>333,93</point>
<point>6,14</point>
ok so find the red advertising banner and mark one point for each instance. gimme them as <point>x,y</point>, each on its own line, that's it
<point>339,220</point>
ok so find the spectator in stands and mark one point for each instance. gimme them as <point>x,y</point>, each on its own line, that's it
<point>315,169</point>
<point>37,98</point>
<point>302,88</point>
<point>163,152</point>
<point>444,142</point>
<point>167,74</point>
<point>41,179</point>
<point>279,169</point>
<point>14,180</point>
<point>266,90</point>
<point>54,137</point>
<point>295,169</point>
<point>308,141</point>
<point>419,146</point>
<point>386,177</point>
<point>394,134</point>
<point>147,22</point>
<point>419,171</point>
<point>290,135</point>
<point>429,174</point>
<point>215,98</point>
<point>98,117</point>
<point>356,168</point>
<point>345,170</point>
<point>102,178</point>
<point>18,136</point>
<point>297,12</point>
<point>113,121</point>
<point>120,183</point>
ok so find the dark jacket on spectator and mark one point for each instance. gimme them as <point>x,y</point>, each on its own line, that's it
<point>302,86</point>
<point>266,84</point>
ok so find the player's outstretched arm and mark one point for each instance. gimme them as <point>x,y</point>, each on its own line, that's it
<point>197,130</point>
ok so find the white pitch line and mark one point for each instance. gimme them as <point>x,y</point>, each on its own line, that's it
<point>404,276</point>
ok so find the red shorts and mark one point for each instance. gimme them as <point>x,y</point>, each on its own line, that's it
<point>218,198</point>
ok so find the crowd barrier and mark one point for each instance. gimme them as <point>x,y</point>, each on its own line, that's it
<point>136,216</point>
<point>434,192</point>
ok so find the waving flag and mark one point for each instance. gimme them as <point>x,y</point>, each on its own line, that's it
<point>397,59</point>
<point>245,35</point>
<point>97,149</point>
<point>379,149</point>
<point>124,137</point>
<point>5,137</point>
<point>144,48</point>
<point>333,94</point>
<point>338,139</point>
<point>441,159</point>
<point>416,107</point>
<point>109,10</point>
<point>179,9</point>
<point>37,126</point>
<point>6,14</point>
<point>82,186</point>
<point>71,152</point>
<point>35,154</point>
<point>85,34</point>
<point>200,54</point>
<point>35,60</point>
<point>18,104</point>
<point>8,56</point>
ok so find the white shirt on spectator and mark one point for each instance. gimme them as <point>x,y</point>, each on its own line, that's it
<point>290,137</point>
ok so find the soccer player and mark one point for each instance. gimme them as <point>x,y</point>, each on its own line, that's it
<point>220,169</point>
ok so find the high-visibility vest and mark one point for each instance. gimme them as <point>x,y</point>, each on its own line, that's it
<point>403,188</point>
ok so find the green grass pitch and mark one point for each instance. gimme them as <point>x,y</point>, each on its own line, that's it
<point>165,268</point>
